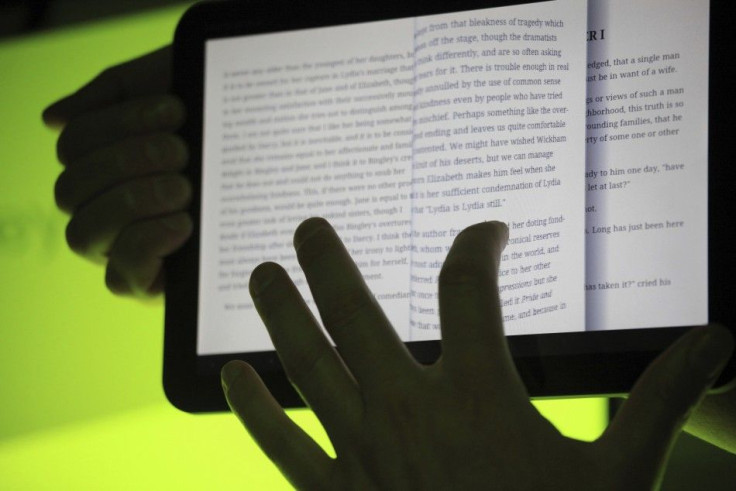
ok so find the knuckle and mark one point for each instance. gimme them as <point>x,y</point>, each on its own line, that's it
<point>179,149</point>
<point>129,196</point>
<point>177,106</point>
<point>132,255</point>
<point>63,192</point>
<point>63,144</point>
<point>141,242</point>
<point>344,312</point>
<point>144,197</point>
<point>156,112</point>
<point>133,243</point>
<point>76,237</point>
<point>120,160</point>
<point>302,364</point>
<point>164,151</point>
<point>172,192</point>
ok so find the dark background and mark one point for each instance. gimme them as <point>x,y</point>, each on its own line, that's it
<point>19,17</point>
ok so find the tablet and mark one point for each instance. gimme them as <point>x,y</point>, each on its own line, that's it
<point>597,131</point>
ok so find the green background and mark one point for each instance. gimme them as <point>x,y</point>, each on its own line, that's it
<point>81,403</point>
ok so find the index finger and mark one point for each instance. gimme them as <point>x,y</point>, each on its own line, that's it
<point>364,336</point>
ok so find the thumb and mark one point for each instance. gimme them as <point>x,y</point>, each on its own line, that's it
<point>666,393</point>
<point>148,75</point>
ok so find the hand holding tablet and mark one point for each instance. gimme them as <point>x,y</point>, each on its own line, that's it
<point>464,422</point>
<point>122,182</point>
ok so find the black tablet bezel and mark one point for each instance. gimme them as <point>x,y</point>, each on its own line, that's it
<point>551,365</point>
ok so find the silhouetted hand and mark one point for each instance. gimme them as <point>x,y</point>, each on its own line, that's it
<point>463,423</point>
<point>121,181</point>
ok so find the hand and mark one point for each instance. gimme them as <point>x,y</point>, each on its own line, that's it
<point>463,423</point>
<point>121,181</point>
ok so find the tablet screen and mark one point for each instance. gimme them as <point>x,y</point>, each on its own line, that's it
<point>584,129</point>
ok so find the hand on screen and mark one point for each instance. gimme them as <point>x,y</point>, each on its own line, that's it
<point>121,181</point>
<point>465,422</point>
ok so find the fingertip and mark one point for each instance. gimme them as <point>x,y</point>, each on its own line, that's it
<point>52,116</point>
<point>315,239</point>
<point>76,238</point>
<point>498,230</point>
<point>262,276</point>
<point>710,351</point>
<point>169,190</point>
<point>157,287</point>
<point>231,373</point>
<point>61,110</point>
<point>115,282</point>
<point>63,190</point>
<point>244,390</point>
<point>308,228</point>
<point>180,223</point>
<point>178,110</point>
<point>502,229</point>
<point>164,111</point>
<point>179,150</point>
<point>490,237</point>
<point>232,377</point>
<point>506,228</point>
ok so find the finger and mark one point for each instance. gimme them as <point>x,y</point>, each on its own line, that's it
<point>103,127</point>
<point>94,227</point>
<point>102,169</point>
<point>473,340</point>
<point>666,393</point>
<point>294,452</point>
<point>365,339</point>
<point>309,359</point>
<point>149,74</point>
<point>136,259</point>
